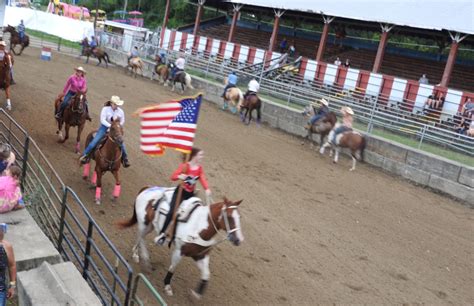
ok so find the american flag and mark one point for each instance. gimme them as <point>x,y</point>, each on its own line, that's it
<point>170,124</point>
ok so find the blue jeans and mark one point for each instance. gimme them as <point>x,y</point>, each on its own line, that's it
<point>316,118</point>
<point>3,297</point>
<point>338,131</point>
<point>22,35</point>
<point>66,100</point>
<point>98,136</point>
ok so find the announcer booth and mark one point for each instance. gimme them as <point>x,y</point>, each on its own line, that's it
<point>125,32</point>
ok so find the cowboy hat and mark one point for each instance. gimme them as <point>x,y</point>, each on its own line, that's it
<point>349,110</point>
<point>116,100</point>
<point>80,69</point>
<point>324,102</point>
<point>3,43</point>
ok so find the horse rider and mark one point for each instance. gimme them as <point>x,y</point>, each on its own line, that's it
<point>133,54</point>
<point>188,173</point>
<point>93,44</point>
<point>4,53</point>
<point>253,88</point>
<point>322,111</point>
<point>162,60</point>
<point>21,30</point>
<point>110,111</point>
<point>178,66</point>
<point>347,119</point>
<point>76,83</point>
<point>232,80</point>
<point>84,44</point>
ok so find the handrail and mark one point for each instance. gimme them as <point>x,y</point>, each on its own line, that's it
<point>135,299</point>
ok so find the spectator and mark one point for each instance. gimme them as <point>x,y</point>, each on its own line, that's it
<point>10,193</point>
<point>283,45</point>
<point>292,49</point>
<point>434,103</point>
<point>468,108</point>
<point>347,64</point>
<point>470,132</point>
<point>7,157</point>
<point>7,259</point>
<point>337,62</point>
<point>423,80</point>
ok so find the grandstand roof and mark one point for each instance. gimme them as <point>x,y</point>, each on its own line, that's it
<point>454,15</point>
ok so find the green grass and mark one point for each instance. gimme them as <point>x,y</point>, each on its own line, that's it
<point>53,39</point>
<point>380,132</point>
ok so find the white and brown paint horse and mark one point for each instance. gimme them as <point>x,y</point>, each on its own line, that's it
<point>351,140</point>
<point>198,229</point>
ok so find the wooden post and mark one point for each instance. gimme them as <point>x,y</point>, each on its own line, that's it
<point>448,69</point>
<point>165,22</point>
<point>276,26</point>
<point>237,8</point>
<point>324,38</point>
<point>198,16</point>
<point>381,48</point>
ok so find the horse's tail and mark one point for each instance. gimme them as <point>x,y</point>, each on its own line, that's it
<point>187,80</point>
<point>106,57</point>
<point>362,148</point>
<point>123,224</point>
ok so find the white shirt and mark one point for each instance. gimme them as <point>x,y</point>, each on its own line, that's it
<point>337,62</point>
<point>107,114</point>
<point>180,63</point>
<point>254,86</point>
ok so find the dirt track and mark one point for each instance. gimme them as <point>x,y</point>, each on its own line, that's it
<point>315,233</point>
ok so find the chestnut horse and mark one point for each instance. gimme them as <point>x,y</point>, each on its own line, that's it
<point>251,103</point>
<point>195,233</point>
<point>351,139</point>
<point>235,96</point>
<point>75,114</point>
<point>99,53</point>
<point>322,127</point>
<point>162,70</point>
<point>107,157</point>
<point>15,39</point>
<point>5,76</point>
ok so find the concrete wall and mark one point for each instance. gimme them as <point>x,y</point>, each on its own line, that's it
<point>437,173</point>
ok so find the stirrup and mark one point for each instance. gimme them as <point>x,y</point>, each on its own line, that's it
<point>160,239</point>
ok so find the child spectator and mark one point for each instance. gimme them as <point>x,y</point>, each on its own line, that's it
<point>7,157</point>
<point>10,193</point>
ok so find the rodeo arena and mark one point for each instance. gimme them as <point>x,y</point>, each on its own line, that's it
<point>238,160</point>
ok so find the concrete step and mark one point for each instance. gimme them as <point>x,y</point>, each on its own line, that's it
<point>59,284</point>
<point>30,244</point>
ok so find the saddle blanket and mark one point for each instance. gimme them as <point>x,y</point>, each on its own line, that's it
<point>165,195</point>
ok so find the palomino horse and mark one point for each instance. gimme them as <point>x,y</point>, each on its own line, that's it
<point>235,96</point>
<point>195,233</point>
<point>75,114</point>
<point>15,39</point>
<point>107,157</point>
<point>5,76</point>
<point>250,103</point>
<point>352,140</point>
<point>135,64</point>
<point>322,127</point>
<point>99,53</point>
<point>162,70</point>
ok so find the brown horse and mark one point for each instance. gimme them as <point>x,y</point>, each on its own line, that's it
<point>107,158</point>
<point>5,76</point>
<point>322,127</point>
<point>15,39</point>
<point>99,53</point>
<point>199,229</point>
<point>251,103</point>
<point>75,114</point>
<point>162,70</point>
<point>351,140</point>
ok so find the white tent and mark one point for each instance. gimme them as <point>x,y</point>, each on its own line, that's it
<point>451,15</point>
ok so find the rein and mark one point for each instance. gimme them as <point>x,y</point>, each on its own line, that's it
<point>111,162</point>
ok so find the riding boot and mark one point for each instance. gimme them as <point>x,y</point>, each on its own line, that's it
<point>84,159</point>
<point>125,162</point>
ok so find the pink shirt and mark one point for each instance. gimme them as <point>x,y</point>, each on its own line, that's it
<point>75,84</point>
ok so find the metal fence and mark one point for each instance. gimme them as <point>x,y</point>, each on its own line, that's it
<point>373,114</point>
<point>69,225</point>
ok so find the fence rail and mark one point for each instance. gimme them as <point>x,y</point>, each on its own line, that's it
<point>69,225</point>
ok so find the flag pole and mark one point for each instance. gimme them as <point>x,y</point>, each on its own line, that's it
<point>171,227</point>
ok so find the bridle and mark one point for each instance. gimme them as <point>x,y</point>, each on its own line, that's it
<point>78,110</point>
<point>111,162</point>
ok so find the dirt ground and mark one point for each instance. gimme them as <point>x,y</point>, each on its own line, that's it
<point>315,233</point>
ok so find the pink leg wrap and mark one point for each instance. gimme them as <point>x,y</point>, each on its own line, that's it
<point>98,191</point>
<point>87,169</point>
<point>116,192</point>
<point>94,178</point>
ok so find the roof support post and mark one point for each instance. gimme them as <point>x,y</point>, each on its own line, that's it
<point>324,38</point>
<point>198,16</point>
<point>165,22</point>
<point>381,49</point>
<point>448,69</point>
<point>236,16</point>
<point>276,25</point>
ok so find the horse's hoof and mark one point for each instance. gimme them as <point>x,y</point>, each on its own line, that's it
<point>9,107</point>
<point>168,290</point>
<point>113,199</point>
<point>334,162</point>
<point>136,258</point>
<point>195,295</point>
<point>351,169</point>
<point>85,178</point>
<point>97,201</point>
